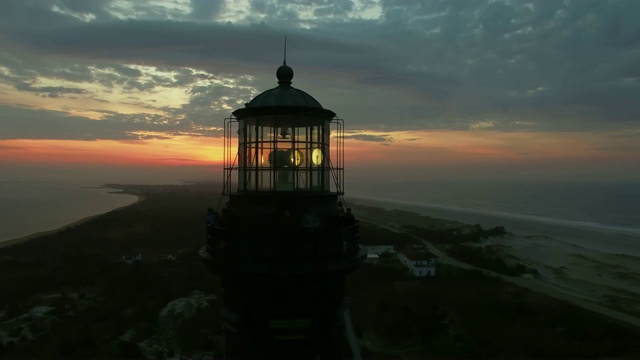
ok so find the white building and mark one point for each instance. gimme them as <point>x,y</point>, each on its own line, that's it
<point>378,249</point>
<point>372,258</point>
<point>419,260</point>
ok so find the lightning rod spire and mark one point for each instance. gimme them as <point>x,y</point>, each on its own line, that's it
<point>285,50</point>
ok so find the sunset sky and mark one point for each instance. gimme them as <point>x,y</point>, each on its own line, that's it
<point>114,90</point>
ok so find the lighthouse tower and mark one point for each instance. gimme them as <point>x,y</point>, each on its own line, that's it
<point>281,246</point>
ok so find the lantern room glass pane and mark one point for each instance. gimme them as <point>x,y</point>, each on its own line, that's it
<point>283,158</point>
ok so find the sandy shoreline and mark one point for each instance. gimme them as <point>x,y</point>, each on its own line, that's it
<point>616,240</point>
<point>589,265</point>
<point>492,215</point>
<point>23,239</point>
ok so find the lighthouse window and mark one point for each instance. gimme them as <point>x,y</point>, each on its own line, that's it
<point>281,157</point>
<point>316,156</point>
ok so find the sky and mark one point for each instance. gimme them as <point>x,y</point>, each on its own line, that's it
<point>115,90</point>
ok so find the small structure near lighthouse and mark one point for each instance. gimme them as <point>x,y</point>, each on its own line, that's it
<point>282,248</point>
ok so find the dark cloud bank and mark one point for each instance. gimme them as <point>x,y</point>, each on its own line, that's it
<point>440,64</point>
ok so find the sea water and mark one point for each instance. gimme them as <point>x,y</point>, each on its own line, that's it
<point>31,207</point>
<point>35,206</point>
<point>609,206</point>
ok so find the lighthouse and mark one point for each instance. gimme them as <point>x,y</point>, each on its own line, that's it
<point>282,245</point>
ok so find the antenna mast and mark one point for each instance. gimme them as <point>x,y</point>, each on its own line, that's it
<point>285,50</point>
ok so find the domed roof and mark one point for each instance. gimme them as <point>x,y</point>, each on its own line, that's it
<point>284,94</point>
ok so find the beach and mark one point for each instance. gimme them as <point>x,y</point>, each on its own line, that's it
<point>31,210</point>
<point>597,264</point>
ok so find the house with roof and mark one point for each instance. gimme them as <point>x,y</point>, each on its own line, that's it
<point>419,260</point>
<point>378,249</point>
<point>372,259</point>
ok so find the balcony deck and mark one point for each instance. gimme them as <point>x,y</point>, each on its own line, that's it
<point>296,251</point>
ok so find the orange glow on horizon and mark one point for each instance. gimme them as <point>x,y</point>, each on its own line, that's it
<point>421,148</point>
<point>177,151</point>
<point>462,147</point>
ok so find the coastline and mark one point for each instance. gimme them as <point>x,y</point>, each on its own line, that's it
<point>606,239</point>
<point>596,269</point>
<point>26,238</point>
<point>570,265</point>
<point>75,275</point>
<point>490,215</point>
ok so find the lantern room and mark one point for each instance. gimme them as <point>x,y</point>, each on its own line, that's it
<point>284,139</point>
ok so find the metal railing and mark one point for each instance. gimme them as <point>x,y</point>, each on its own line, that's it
<point>230,156</point>
<point>323,244</point>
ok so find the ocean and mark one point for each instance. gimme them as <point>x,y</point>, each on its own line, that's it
<point>30,207</point>
<point>35,206</point>
<point>605,206</point>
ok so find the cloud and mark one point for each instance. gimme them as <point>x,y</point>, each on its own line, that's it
<point>25,123</point>
<point>49,91</point>
<point>620,148</point>
<point>205,9</point>
<point>392,64</point>
<point>480,125</point>
<point>370,137</point>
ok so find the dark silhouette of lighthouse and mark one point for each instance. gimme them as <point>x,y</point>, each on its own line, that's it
<point>281,245</point>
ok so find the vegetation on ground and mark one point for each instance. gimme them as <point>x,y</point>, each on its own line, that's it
<point>68,294</point>
<point>463,313</point>
<point>455,235</point>
<point>489,257</point>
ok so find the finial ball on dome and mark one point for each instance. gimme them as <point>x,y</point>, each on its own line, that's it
<point>284,75</point>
